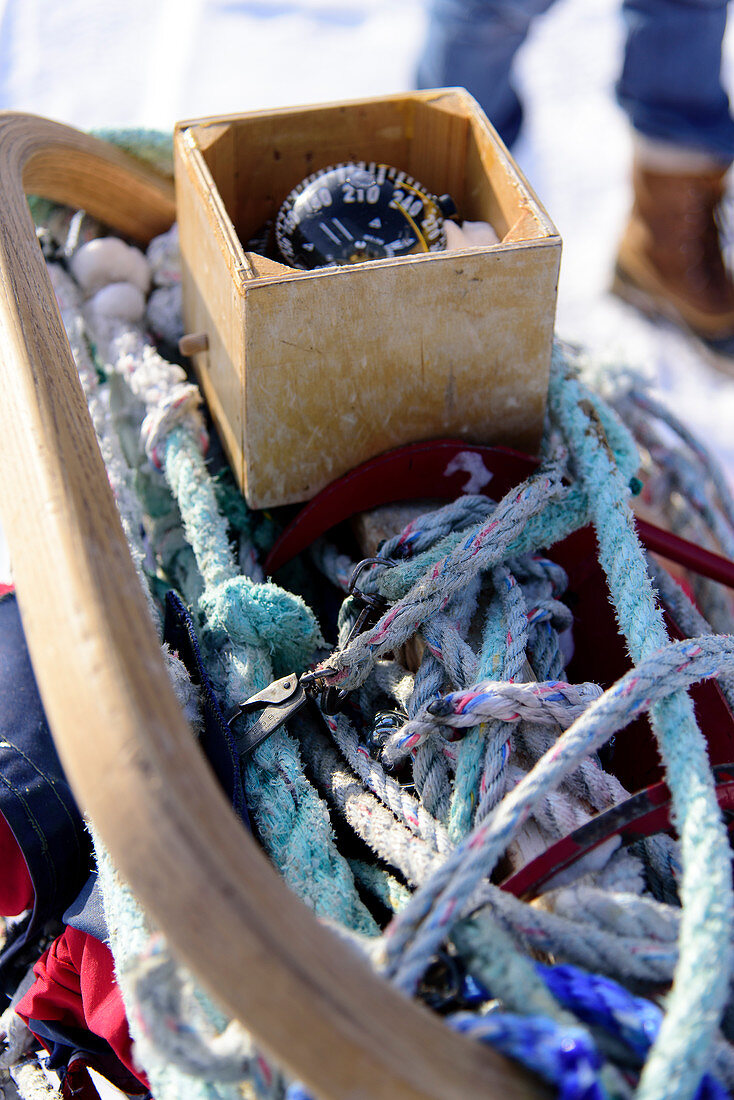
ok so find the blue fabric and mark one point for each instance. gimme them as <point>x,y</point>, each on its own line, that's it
<point>86,912</point>
<point>37,802</point>
<point>216,739</point>
<point>72,1049</point>
<point>472,44</point>
<point>35,797</point>
<point>670,85</point>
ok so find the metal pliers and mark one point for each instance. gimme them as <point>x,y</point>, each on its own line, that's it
<point>280,700</point>
<point>277,703</point>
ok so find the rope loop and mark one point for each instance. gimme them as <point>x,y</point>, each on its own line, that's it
<point>266,616</point>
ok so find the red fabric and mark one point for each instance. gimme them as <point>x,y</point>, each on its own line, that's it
<point>16,888</point>
<point>75,985</point>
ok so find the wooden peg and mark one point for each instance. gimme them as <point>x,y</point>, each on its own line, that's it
<point>192,343</point>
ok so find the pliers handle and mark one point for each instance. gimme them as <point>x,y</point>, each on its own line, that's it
<point>277,703</point>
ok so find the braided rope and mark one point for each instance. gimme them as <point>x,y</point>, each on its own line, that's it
<point>416,933</point>
<point>636,958</point>
<point>483,548</point>
<point>405,806</point>
<point>430,769</point>
<point>256,618</point>
<point>684,477</point>
<point>705,458</point>
<point>562,1056</point>
<point>554,702</point>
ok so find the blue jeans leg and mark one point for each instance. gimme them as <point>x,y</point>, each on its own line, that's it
<point>471,44</point>
<point>670,85</point>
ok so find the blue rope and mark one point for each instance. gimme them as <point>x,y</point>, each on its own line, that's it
<point>602,1003</point>
<point>562,1056</point>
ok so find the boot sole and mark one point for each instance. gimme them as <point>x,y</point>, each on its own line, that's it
<point>718,353</point>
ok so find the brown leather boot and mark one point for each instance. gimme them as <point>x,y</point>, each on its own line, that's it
<point>670,262</point>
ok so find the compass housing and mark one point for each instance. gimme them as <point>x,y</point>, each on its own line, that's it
<point>310,372</point>
<point>354,212</point>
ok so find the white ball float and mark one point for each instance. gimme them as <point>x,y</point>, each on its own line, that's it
<point>121,301</point>
<point>109,260</point>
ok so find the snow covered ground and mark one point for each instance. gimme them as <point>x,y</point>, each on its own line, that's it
<point>149,64</point>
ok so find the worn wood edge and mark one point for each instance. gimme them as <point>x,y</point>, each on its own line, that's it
<point>421,96</point>
<point>304,995</point>
<point>189,157</point>
<point>512,168</point>
<point>74,168</point>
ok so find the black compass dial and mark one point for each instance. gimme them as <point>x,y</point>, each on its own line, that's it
<point>356,212</point>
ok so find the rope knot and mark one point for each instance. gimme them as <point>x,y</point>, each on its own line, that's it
<point>181,404</point>
<point>265,616</point>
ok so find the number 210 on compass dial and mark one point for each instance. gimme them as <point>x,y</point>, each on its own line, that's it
<point>358,211</point>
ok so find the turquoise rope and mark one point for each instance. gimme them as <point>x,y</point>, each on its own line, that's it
<point>700,989</point>
<point>153,147</point>
<point>250,629</point>
<point>498,660</point>
<point>129,937</point>
<point>270,629</point>
<point>559,518</point>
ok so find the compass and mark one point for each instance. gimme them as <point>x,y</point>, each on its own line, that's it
<point>359,211</point>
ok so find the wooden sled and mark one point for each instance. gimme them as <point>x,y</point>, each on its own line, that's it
<point>306,997</point>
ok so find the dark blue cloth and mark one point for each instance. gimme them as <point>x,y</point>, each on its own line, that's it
<point>35,798</point>
<point>72,1049</point>
<point>86,912</point>
<point>670,85</point>
<point>37,802</point>
<point>216,738</point>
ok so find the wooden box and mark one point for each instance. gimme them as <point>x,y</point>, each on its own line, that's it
<point>309,373</point>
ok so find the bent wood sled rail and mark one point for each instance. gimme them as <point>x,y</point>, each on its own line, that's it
<point>133,763</point>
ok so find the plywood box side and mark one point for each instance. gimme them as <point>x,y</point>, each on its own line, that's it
<point>450,119</point>
<point>445,96</point>
<point>532,221</point>
<point>422,134</point>
<point>317,407</point>
<point>272,155</point>
<point>207,166</point>
<point>193,177</point>
<point>212,304</point>
<point>437,154</point>
<point>221,162</point>
<point>441,138</point>
<point>496,189</point>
